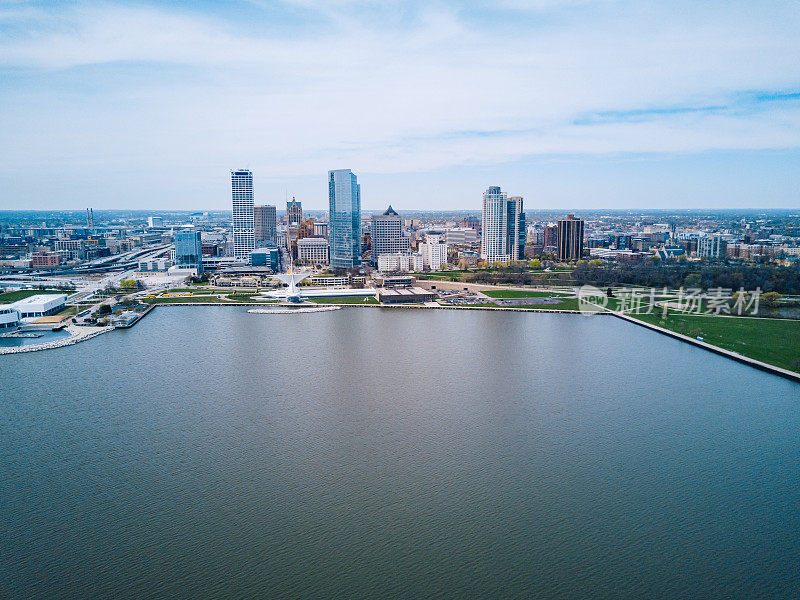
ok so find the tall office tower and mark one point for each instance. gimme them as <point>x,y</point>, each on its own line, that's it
<point>266,225</point>
<point>189,250</point>
<point>243,213</point>
<point>516,228</point>
<point>386,234</point>
<point>344,224</point>
<point>570,238</point>
<point>502,228</point>
<point>294,212</point>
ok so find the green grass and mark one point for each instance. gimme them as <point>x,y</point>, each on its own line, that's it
<point>8,297</point>
<point>773,341</point>
<point>245,298</point>
<point>183,300</point>
<point>564,304</point>
<point>519,294</point>
<point>476,305</point>
<point>345,300</point>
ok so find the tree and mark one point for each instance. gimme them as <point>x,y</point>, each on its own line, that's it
<point>104,309</point>
<point>535,263</point>
<point>771,299</point>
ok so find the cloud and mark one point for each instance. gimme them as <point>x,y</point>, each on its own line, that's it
<point>294,87</point>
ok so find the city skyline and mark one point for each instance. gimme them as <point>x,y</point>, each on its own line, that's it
<point>591,105</point>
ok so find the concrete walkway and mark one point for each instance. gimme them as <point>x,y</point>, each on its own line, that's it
<point>712,348</point>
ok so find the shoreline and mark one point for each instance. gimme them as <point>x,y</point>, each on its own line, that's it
<point>77,335</point>
<point>752,362</point>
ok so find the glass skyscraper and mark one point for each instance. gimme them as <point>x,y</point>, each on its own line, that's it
<point>503,227</point>
<point>189,250</point>
<point>344,230</point>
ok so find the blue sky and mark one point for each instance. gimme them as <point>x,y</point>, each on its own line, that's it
<point>569,103</point>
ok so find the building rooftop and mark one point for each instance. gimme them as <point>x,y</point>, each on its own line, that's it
<point>39,299</point>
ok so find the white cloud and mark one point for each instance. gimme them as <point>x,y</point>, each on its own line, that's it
<point>105,84</point>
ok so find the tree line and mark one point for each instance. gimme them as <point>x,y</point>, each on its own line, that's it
<point>769,278</point>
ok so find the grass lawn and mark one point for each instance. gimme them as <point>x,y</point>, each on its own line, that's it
<point>245,298</point>
<point>345,300</point>
<point>182,300</point>
<point>519,294</point>
<point>773,341</point>
<point>9,297</point>
<point>564,304</point>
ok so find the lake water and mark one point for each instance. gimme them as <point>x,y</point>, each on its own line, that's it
<point>377,453</point>
<point>45,335</point>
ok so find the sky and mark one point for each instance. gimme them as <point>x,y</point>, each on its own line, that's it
<point>568,103</point>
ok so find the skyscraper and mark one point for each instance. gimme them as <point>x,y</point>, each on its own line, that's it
<point>294,212</point>
<point>243,213</point>
<point>266,225</point>
<point>189,250</point>
<point>570,238</point>
<point>386,234</point>
<point>344,226</point>
<point>503,227</point>
<point>516,228</point>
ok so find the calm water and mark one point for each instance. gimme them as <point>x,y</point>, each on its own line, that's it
<point>210,453</point>
<point>46,336</point>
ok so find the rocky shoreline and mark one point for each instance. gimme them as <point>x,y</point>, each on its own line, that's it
<point>77,334</point>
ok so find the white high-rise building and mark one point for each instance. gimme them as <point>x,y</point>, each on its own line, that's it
<point>494,226</point>
<point>434,252</point>
<point>243,213</point>
<point>503,227</point>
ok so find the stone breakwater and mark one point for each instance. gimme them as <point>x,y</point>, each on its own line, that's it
<point>77,335</point>
<point>286,311</point>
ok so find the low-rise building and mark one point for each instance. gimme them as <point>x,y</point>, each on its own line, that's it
<point>9,317</point>
<point>266,257</point>
<point>154,265</point>
<point>45,260</point>
<point>400,262</point>
<point>337,282</point>
<point>405,295</point>
<point>40,305</point>
<point>313,250</point>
